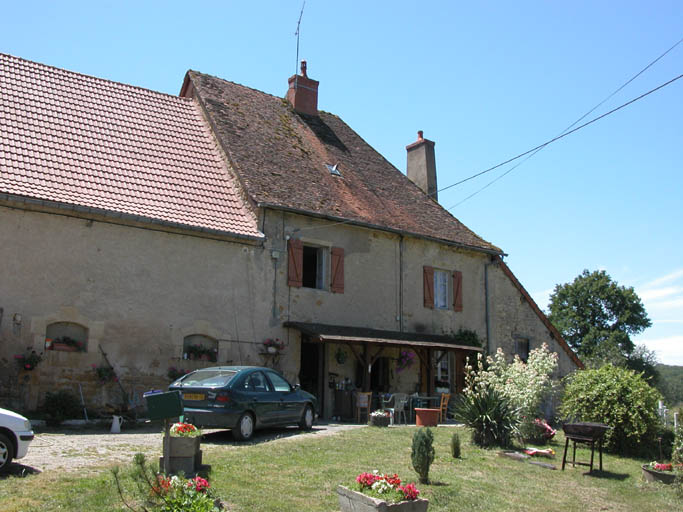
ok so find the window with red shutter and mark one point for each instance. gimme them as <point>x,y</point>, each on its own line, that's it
<point>337,274</point>
<point>457,290</point>
<point>428,286</point>
<point>295,259</point>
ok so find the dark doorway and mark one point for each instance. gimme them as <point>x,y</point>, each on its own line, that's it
<point>311,375</point>
<point>379,377</point>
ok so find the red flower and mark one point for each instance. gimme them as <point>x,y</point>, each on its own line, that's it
<point>410,492</point>
<point>366,479</point>
<point>664,467</point>
<point>199,484</point>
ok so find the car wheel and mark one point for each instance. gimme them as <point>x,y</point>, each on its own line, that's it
<point>306,422</point>
<point>245,427</point>
<point>6,452</point>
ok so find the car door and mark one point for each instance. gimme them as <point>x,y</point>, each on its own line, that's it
<point>290,403</point>
<point>261,398</point>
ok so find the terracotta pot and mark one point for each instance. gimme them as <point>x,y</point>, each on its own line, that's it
<point>352,501</point>
<point>652,475</point>
<point>426,417</point>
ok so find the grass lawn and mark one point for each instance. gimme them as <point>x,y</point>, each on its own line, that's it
<point>301,474</point>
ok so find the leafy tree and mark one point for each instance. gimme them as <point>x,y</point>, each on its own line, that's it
<point>597,317</point>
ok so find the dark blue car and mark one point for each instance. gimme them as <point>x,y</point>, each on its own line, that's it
<point>243,398</point>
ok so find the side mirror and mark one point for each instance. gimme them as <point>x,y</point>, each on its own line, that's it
<point>296,387</point>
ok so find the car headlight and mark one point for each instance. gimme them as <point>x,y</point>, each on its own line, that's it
<point>27,425</point>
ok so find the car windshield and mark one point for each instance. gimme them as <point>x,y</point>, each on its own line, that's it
<point>208,378</point>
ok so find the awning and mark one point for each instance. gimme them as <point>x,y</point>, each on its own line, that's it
<point>344,334</point>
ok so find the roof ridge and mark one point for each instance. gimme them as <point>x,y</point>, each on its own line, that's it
<point>238,84</point>
<point>97,78</point>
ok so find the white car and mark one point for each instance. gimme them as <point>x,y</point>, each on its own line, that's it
<point>15,436</point>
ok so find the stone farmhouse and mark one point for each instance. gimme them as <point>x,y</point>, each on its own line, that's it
<point>153,233</point>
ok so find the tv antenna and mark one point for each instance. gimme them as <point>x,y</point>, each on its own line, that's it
<point>298,25</point>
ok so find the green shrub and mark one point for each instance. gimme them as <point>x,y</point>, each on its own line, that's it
<point>490,415</point>
<point>422,454</point>
<point>619,398</point>
<point>61,405</point>
<point>455,445</point>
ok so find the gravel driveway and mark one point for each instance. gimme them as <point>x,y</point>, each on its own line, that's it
<point>94,448</point>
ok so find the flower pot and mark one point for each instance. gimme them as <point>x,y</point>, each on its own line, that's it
<point>652,475</point>
<point>379,421</point>
<point>426,417</point>
<point>352,501</point>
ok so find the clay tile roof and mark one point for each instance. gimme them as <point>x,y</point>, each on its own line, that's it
<point>280,156</point>
<point>90,144</point>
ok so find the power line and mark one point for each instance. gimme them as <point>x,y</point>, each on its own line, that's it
<point>571,125</point>
<point>532,150</point>
<point>561,136</point>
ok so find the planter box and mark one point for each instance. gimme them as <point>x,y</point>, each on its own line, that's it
<point>427,417</point>
<point>185,455</point>
<point>352,501</point>
<point>652,475</point>
<point>63,347</point>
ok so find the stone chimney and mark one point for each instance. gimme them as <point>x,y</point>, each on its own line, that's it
<point>303,92</point>
<point>421,168</point>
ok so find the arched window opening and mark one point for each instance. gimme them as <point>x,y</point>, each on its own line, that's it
<point>198,346</point>
<point>66,337</point>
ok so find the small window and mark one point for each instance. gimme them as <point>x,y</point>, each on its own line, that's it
<point>200,347</point>
<point>522,349</point>
<point>313,267</point>
<point>441,289</point>
<point>279,383</point>
<point>67,337</point>
<point>442,375</point>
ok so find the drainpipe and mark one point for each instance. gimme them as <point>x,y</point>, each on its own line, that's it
<point>400,283</point>
<point>487,299</point>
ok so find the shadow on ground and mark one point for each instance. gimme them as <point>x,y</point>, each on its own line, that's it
<point>224,437</point>
<point>19,470</point>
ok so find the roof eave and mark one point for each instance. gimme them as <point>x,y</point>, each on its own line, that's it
<point>127,218</point>
<point>367,225</point>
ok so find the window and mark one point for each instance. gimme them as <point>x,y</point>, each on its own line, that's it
<point>313,275</point>
<point>436,286</point>
<point>522,348</point>
<point>442,374</point>
<point>308,266</point>
<point>440,289</point>
<point>279,383</point>
<point>256,382</point>
<point>66,336</point>
<point>198,346</point>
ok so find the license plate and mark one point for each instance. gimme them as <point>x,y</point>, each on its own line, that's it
<point>193,396</point>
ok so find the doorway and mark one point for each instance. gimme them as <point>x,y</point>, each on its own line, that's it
<point>312,372</point>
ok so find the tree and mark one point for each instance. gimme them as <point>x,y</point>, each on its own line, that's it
<point>597,317</point>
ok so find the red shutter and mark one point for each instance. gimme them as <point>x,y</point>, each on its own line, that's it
<point>428,286</point>
<point>295,262</point>
<point>337,283</point>
<point>457,290</point>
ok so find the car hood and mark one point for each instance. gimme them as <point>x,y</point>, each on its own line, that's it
<point>12,419</point>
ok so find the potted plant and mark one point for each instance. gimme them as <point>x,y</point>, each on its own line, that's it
<point>379,418</point>
<point>184,448</point>
<point>273,346</point>
<point>174,373</point>
<point>29,360</point>
<point>105,373</point>
<point>661,472</point>
<point>375,491</point>
<point>405,360</point>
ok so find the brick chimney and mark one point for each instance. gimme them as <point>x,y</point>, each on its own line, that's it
<point>421,168</point>
<point>303,92</point>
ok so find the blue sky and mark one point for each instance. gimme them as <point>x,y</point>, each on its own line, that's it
<point>484,80</point>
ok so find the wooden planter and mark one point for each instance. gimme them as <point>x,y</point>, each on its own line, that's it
<point>352,501</point>
<point>427,417</point>
<point>652,475</point>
